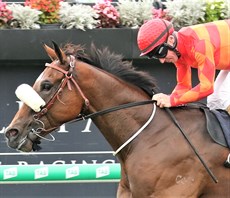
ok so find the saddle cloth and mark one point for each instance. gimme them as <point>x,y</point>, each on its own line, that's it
<point>224,120</point>
<point>218,126</point>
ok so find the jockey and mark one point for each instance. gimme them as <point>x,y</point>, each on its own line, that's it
<point>205,47</point>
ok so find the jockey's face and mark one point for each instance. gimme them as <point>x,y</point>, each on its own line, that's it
<point>170,58</point>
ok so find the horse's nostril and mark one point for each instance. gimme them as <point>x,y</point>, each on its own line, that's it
<point>12,133</point>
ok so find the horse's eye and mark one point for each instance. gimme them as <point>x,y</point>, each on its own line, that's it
<point>46,86</point>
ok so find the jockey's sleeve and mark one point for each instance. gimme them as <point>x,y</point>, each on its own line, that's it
<point>183,93</point>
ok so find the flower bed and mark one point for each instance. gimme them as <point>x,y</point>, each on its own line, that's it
<point>105,14</point>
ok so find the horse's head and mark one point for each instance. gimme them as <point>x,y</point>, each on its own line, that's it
<point>55,92</point>
<point>56,96</point>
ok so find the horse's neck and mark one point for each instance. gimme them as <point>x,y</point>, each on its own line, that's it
<point>104,91</point>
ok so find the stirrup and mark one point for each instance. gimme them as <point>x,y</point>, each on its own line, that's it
<point>227,162</point>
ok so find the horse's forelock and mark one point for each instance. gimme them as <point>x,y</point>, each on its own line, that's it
<point>78,51</point>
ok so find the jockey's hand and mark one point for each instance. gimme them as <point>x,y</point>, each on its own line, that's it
<point>163,100</point>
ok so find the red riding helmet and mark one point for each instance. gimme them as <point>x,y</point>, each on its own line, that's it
<point>153,33</point>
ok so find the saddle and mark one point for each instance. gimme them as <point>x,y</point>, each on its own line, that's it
<point>215,127</point>
<point>213,123</point>
<point>218,126</point>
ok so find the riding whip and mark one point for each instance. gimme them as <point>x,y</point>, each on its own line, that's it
<point>189,142</point>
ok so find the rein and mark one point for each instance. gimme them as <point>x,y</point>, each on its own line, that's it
<point>138,132</point>
<point>66,81</point>
<point>116,108</point>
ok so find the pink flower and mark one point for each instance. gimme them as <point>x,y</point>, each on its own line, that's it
<point>108,14</point>
<point>5,14</point>
<point>159,13</point>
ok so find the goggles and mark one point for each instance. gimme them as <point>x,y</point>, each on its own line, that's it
<point>158,52</point>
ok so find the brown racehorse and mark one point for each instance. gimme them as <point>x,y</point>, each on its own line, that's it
<point>158,162</point>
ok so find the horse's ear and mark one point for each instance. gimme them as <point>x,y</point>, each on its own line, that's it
<point>60,54</point>
<point>51,53</point>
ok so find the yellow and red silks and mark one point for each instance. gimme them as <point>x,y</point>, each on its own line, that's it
<point>207,48</point>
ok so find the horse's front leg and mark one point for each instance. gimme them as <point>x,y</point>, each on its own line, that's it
<point>123,190</point>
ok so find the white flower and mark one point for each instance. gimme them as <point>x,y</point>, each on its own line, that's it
<point>26,16</point>
<point>134,13</point>
<point>184,12</point>
<point>77,16</point>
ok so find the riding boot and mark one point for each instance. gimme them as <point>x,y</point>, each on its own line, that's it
<point>228,109</point>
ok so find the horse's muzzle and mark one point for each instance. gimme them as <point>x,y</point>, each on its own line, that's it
<point>18,142</point>
<point>12,136</point>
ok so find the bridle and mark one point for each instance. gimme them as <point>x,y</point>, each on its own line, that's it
<point>66,81</point>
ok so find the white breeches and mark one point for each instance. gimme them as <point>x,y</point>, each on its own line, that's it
<point>220,99</point>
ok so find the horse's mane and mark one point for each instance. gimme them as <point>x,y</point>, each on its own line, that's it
<point>112,63</point>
